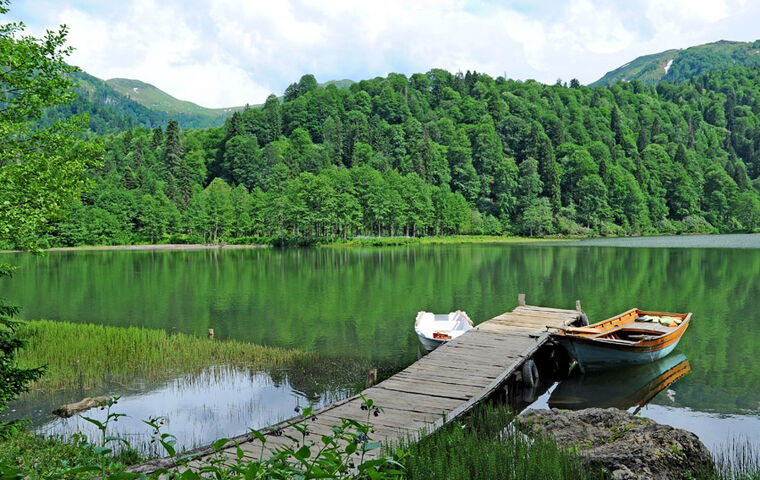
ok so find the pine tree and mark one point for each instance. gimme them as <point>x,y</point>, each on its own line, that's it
<point>158,137</point>
<point>642,141</point>
<point>234,125</point>
<point>173,149</point>
<point>681,156</point>
<point>547,167</point>
<point>273,114</point>
<point>14,379</point>
<point>616,127</point>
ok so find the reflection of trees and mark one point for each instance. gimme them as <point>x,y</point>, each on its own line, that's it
<point>333,377</point>
<point>359,303</point>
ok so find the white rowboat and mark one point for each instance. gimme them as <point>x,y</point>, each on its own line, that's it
<point>435,329</point>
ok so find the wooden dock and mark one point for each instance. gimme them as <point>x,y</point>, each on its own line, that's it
<point>436,389</point>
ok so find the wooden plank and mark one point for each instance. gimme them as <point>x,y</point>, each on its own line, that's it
<point>486,391</point>
<point>540,316</point>
<point>389,424</point>
<point>504,343</point>
<point>435,375</point>
<point>545,309</point>
<point>425,390</point>
<point>444,387</point>
<point>383,398</point>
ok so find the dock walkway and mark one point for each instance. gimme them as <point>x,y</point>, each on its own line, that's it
<point>437,388</point>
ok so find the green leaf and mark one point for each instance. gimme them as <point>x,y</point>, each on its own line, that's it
<point>370,446</point>
<point>125,476</point>
<point>350,448</point>
<point>117,439</point>
<point>262,438</point>
<point>219,444</point>
<point>303,453</point>
<point>189,475</point>
<point>102,450</point>
<point>93,421</point>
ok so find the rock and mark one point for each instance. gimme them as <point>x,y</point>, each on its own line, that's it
<point>71,409</point>
<point>629,447</point>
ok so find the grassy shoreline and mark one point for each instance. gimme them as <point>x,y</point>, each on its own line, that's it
<point>337,243</point>
<point>441,240</point>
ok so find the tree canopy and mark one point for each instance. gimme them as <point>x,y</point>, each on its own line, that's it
<point>439,153</point>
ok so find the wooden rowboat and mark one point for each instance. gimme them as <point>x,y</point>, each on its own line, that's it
<point>631,338</point>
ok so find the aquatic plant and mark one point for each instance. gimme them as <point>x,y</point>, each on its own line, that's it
<point>93,354</point>
<point>738,459</point>
<point>484,447</point>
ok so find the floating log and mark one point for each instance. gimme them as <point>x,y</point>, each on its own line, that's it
<point>71,409</point>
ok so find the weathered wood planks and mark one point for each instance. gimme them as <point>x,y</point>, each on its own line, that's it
<point>437,388</point>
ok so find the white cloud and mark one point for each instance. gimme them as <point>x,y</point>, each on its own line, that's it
<point>231,52</point>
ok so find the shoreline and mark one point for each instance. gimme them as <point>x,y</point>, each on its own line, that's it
<point>440,240</point>
<point>365,242</point>
<point>154,247</point>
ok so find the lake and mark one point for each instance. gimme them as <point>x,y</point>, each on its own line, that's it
<point>360,304</point>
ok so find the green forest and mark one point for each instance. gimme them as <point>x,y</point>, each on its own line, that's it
<point>434,154</point>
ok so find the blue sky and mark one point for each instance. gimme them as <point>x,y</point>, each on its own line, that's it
<point>233,52</point>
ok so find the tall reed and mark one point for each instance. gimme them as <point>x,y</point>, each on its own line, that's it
<point>739,459</point>
<point>83,355</point>
<point>485,447</point>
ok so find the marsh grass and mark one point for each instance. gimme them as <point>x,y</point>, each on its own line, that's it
<point>485,447</point>
<point>84,355</point>
<point>739,459</point>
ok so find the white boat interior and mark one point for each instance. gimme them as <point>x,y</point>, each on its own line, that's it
<point>442,327</point>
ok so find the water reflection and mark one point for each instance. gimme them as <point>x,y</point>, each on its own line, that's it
<point>359,304</point>
<point>621,388</point>
<point>218,402</point>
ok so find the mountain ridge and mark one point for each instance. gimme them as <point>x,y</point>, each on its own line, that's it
<point>676,65</point>
<point>153,97</point>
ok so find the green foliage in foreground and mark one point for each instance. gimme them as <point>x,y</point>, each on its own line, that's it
<point>128,353</point>
<point>482,447</point>
<point>13,379</point>
<point>41,169</point>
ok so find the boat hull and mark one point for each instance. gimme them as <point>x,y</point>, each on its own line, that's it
<point>622,340</point>
<point>428,343</point>
<point>593,357</point>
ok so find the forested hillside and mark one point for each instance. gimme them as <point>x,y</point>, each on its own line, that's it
<point>677,66</point>
<point>110,110</point>
<point>439,153</point>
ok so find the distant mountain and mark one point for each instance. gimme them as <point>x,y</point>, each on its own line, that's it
<point>152,97</point>
<point>120,104</point>
<point>111,110</point>
<point>679,65</point>
<point>339,84</point>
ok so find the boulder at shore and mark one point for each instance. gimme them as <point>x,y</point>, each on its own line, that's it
<point>630,447</point>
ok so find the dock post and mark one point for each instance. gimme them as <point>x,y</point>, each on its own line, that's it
<point>520,299</point>
<point>578,306</point>
<point>371,378</point>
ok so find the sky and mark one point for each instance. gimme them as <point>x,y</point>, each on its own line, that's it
<point>234,52</point>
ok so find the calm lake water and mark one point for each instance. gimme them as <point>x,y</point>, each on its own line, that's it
<point>360,304</point>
